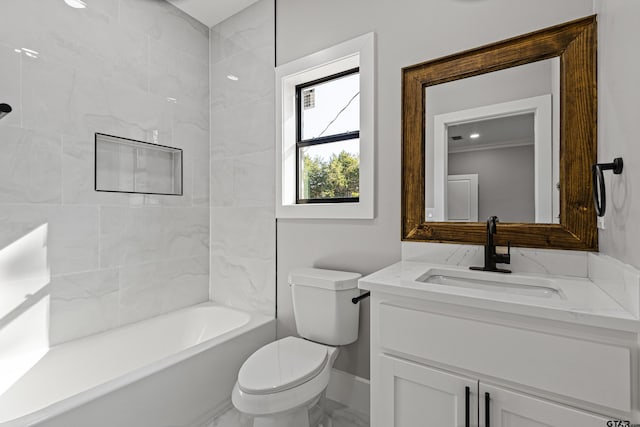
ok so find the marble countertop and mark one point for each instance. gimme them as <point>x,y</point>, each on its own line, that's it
<point>580,300</point>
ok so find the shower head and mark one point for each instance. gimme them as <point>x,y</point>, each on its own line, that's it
<point>4,110</point>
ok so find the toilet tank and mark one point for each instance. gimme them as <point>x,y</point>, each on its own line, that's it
<point>322,305</point>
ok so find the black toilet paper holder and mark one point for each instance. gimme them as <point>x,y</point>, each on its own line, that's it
<point>360,297</point>
<point>5,109</point>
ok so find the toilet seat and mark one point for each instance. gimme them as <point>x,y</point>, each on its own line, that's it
<point>282,365</point>
<point>304,392</point>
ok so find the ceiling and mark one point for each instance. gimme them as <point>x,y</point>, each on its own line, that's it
<point>211,12</point>
<point>493,133</point>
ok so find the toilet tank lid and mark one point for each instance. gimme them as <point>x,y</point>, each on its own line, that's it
<point>325,279</point>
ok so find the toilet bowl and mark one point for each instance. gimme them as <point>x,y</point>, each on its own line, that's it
<point>278,384</point>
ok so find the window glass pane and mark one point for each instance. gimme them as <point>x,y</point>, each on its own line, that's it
<point>331,108</point>
<point>329,171</point>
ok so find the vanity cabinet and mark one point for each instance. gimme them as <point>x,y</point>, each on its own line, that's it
<point>435,364</point>
<point>507,408</point>
<point>414,395</point>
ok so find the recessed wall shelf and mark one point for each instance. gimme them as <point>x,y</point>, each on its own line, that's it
<point>128,166</point>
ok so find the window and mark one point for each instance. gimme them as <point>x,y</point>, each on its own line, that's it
<point>324,131</point>
<point>328,139</point>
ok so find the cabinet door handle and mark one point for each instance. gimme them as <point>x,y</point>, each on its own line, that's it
<point>467,392</point>
<point>487,410</point>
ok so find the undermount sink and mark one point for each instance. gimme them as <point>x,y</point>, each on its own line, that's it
<point>492,282</point>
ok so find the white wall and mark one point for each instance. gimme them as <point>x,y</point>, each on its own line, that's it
<point>243,248</point>
<point>408,32</point>
<point>618,113</point>
<point>132,68</point>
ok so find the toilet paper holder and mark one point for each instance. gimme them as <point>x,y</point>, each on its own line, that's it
<point>360,297</point>
<point>5,109</point>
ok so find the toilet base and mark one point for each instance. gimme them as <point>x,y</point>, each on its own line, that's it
<point>295,418</point>
<point>310,415</point>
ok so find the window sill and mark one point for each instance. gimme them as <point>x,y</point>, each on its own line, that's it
<point>358,210</point>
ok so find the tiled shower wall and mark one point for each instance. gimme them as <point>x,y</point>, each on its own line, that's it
<point>132,68</point>
<point>243,160</point>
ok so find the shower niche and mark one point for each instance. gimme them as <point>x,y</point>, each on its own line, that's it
<point>128,166</point>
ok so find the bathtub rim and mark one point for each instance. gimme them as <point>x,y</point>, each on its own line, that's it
<point>61,406</point>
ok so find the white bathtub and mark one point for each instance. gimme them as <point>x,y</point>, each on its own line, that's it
<point>173,370</point>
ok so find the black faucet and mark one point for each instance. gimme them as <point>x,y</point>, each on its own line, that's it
<point>491,258</point>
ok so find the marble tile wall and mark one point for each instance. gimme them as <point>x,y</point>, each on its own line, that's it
<point>243,245</point>
<point>133,68</point>
<point>523,260</point>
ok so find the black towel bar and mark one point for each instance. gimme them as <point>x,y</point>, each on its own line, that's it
<point>599,192</point>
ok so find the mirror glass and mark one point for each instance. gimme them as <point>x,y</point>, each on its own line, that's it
<point>492,146</point>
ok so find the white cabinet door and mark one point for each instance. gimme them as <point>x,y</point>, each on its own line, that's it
<point>510,409</point>
<point>413,395</point>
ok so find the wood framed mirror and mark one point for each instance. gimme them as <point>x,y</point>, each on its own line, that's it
<point>573,225</point>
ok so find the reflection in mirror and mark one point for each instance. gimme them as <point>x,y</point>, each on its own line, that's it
<point>492,146</point>
<point>492,149</point>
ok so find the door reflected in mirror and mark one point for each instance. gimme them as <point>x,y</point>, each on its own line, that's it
<point>492,146</point>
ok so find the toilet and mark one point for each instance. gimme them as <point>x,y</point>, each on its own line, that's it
<point>279,383</point>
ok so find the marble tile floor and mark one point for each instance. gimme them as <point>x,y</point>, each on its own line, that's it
<point>339,415</point>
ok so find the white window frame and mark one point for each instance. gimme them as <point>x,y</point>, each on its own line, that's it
<point>358,52</point>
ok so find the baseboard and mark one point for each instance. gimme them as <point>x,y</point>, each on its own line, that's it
<point>350,390</point>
